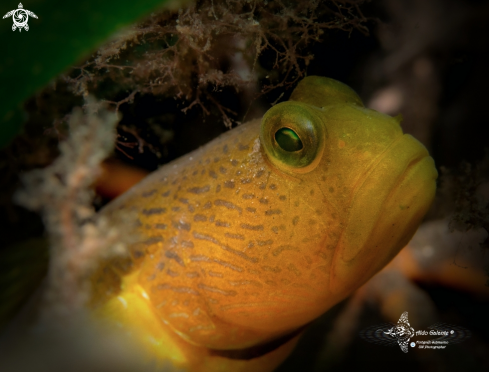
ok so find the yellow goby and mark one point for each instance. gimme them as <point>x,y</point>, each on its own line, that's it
<point>251,237</point>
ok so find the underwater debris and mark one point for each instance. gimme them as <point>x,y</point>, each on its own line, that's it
<point>201,48</point>
<point>467,186</point>
<point>62,193</point>
<point>53,327</point>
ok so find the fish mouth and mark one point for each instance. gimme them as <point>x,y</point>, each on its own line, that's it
<point>420,169</point>
<point>411,167</point>
<point>385,210</point>
<point>413,163</point>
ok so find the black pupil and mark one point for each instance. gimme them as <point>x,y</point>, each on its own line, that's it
<point>288,140</point>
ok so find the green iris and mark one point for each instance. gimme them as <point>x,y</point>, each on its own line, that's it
<point>293,136</point>
<point>288,140</point>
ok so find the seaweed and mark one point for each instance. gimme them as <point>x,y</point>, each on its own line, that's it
<point>195,51</point>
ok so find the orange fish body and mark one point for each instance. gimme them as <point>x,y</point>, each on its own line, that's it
<point>246,240</point>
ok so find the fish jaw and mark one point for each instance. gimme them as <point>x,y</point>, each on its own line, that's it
<point>385,211</point>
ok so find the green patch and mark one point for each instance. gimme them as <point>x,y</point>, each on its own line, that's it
<point>64,33</point>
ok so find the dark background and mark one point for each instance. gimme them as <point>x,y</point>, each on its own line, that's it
<point>425,59</point>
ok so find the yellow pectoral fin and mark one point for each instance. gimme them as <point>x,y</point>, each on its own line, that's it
<point>132,310</point>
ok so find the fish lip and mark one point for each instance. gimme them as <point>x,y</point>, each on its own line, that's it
<point>417,158</point>
<point>412,164</point>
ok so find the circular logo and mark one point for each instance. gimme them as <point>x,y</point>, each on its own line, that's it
<point>413,344</point>
<point>20,17</point>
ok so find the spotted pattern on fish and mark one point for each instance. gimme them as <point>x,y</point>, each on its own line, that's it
<point>237,247</point>
<point>191,264</point>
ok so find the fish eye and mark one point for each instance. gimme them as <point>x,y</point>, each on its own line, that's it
<point>293,136</point>
<point>288,140</point>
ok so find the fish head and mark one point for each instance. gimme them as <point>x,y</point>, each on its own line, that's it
<point>268,226</point>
